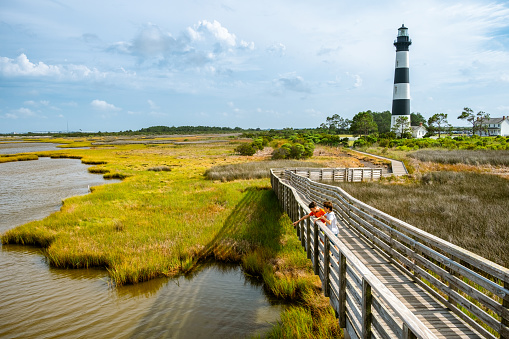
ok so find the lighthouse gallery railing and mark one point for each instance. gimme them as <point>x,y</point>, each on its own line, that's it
<point>461,280</point>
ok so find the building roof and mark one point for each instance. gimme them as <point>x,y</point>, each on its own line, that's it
<point>492,120</point>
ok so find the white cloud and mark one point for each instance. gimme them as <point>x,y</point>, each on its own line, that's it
<point>214,29</point>
<point>196,47</point>
<point>36,103</point>
<point>292,82</point>
<point>101,105</point>
<point>152,104</point>
<point>23,113</point>
<point>277,48</point>
<point>22,66</point>
<point>358,80</point>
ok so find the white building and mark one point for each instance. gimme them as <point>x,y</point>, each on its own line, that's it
<point>495,127</point>
<point>418,132</point>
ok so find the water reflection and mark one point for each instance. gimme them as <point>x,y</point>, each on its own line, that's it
<point>218,302</point>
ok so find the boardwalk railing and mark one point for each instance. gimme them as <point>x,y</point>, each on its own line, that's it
<point>475,289</point>
<point>336,174</point>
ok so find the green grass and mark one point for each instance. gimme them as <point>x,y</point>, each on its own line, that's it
<point>17,157</point>
<point>298,322</point>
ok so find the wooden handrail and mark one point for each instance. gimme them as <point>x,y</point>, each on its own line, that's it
<point>344,262</point>
<point>459,278</point>
<point>354,174</point>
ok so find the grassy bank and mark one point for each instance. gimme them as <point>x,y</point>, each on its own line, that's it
<point>163,222</point>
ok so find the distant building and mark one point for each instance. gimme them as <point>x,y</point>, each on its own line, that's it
<point>494,127</point>
<point>418,132</point>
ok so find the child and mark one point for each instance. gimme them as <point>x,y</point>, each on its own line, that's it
<point>329,218</point>
<point>315,211</point>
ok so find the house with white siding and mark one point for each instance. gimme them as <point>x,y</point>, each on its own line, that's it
<point>494,127</point>
<point>418,132</point>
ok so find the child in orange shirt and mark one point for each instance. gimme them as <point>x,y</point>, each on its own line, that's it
<point>316,212</point>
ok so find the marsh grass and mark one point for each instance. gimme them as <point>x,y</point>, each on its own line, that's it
<point>466,209</point>
<point>18,157</point>
<point>253,170</point>
<point>164,223</point>
<point>469,157</point>
<point>299,322</point>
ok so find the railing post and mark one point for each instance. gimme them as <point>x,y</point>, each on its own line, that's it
<point>297,216</point>
<point>326,267</point>
<point>292,204</point>
<point>301,225</point>
<point>308,237</point>
<point>342,290</point>
<point>280,194</point>
<point>366,309</point>
<point>316,249</point>
<point>505,318</point>
<point>407,333</point>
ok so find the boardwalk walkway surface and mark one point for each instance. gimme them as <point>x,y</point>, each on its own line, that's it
<point>398,168</point>
<point>433,288</point>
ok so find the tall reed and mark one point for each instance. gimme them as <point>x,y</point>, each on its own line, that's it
<point>466,209</point>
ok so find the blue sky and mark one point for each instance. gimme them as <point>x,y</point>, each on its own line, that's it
<point>120,65</point>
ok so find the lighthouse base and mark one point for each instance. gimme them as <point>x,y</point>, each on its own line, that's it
<point>400,124</point>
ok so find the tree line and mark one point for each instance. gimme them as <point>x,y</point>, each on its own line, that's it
<point>368,123</point>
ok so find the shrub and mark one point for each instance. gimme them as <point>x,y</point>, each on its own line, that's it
<point>294,151</point>
<point>245,149</point>
<point>280,153</point>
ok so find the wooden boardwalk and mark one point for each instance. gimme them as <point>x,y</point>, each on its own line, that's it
<point>363,278</point>
<point>397,167</point>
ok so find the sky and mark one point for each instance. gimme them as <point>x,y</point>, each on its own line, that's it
<point>116,65</point>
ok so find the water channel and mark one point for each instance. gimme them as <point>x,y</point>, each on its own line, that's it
<point>38,301</point>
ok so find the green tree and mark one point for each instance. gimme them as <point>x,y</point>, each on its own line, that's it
<point>476,120</point>
<point>363,124</point>
<point>402,126</point>
<point>416,119</point>
<point>439,120</point>
<point>382,120</point>
<point>336,124</point>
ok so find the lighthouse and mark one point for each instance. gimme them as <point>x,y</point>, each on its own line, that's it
<point>401,92</point>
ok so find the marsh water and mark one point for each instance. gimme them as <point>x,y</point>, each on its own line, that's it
<point>38,301</point>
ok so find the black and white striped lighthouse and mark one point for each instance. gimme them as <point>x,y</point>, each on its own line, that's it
<point>401,94</point>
